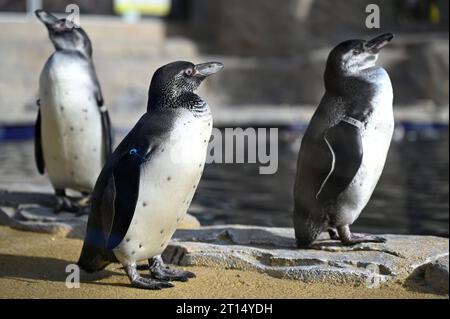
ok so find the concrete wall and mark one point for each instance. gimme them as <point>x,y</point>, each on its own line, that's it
<point>126,55</point>
<point>268,27</point>
<point>86,6</point>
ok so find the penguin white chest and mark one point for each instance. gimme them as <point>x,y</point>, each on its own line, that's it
<point>71,126</point>
<point>376,138</point>
<point>166,187</point>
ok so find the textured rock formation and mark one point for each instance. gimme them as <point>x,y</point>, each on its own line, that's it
<point>34,213</point>
<point>273,251</point>
<point>419,260</point>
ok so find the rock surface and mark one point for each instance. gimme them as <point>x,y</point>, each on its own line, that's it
<point>436,274</point>
<point>273,251</point>
<point>42,219</point>
<point>404,258</point>
<point>34,212</point>
<point>432,276</point>
<point>189,222</point>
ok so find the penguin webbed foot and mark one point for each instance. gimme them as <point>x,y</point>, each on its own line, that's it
<point>138,281</point>
<point>66,204</point>
<point>363,238</point>
<point>160,271</point>
<point>349,239</point>
<point>149,283</point>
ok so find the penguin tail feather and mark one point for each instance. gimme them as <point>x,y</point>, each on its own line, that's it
<point>306,231</point>
<point>93,259</point>
<point>305,242</point>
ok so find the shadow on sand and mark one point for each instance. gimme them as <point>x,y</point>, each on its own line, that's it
<point>42,268</point>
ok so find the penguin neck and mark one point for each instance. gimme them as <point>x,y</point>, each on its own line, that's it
<point>164,100</point>
<point>82,53</point>
<point>353,90</point>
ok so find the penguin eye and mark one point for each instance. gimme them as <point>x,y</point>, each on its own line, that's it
<point>357,51</point>
<point>188,72</point>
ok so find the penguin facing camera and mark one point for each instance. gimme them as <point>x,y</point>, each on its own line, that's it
<point>146,186</point>
<point>344,148</point>
<point>73,130</point>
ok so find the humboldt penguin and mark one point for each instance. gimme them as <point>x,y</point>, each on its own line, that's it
<point>344,149</point>
<point>72,131</point>
<point>147,184</point>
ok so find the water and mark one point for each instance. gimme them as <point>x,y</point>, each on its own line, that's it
<point>411,197</point>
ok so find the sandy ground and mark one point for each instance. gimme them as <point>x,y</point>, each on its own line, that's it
<point>33,266</point>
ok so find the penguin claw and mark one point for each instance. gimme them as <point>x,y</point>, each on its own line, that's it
<point>172,274</point>
<point>358,239</point>
<point>349,239</point>
<point>65,204</point>
<point>160,271</point>
<point>151,284</point>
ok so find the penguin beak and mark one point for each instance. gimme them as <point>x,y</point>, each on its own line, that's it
<point>376,44</point>
<point>47,18</point>
<point>206,69</point>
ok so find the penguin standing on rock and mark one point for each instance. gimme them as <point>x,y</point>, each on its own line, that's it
<point>344,149</point>
<point>72,132</point>
<point>147,184</point>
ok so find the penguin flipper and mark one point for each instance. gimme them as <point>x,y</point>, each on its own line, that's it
<point>38,156</point>
<point>113,203</point>
<point>126,175</point>
<point>106,133</point>
<point>345,146</point>
<point>106,121</point>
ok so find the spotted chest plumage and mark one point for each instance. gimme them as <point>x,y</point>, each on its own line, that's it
<point>71,128</point>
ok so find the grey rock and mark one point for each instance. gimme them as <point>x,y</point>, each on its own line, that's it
<point>34,212</point>
<point>42,219</point>
<point>422,259</point>
<point>189,222</point>
<point>273,251</point>
<point>432,275</point>
<point>437,275</point>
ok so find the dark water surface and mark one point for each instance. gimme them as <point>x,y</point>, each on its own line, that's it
<point>411,197</point>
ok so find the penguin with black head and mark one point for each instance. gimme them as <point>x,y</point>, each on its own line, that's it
<point>344,149</point>
<point>147,184</point>
<point>72,131</point>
